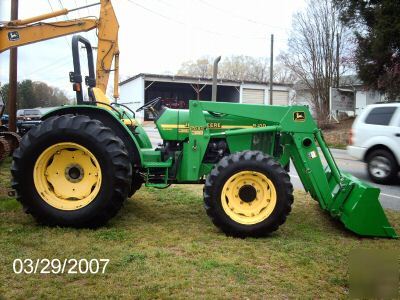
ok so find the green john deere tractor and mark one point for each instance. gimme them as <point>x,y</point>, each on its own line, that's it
<point>81,163</point>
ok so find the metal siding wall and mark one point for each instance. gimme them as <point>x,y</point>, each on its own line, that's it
<point>280,98</point>
<point>132,92</point>
<point>253,96</point>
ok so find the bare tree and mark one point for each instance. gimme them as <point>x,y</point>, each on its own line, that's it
<point>283,74</point>
<point>243,68</point>
<point>318,45</point>
<point>237,67</point>
<point>201,68</point>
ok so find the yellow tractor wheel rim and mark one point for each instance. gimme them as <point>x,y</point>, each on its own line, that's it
<point>67,176</point>
<point>248,197</point>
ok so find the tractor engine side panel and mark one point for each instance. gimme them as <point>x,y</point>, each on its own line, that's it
<point>173,124</point>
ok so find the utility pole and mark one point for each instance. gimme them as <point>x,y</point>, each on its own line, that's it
<point>337,61</point>
<point>271,70</point>
<point>13,77</point>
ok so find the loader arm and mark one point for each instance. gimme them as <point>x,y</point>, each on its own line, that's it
<point>36,29</point>
<point>345,197</point>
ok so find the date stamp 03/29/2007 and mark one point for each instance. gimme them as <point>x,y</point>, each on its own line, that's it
<point>60,266</point>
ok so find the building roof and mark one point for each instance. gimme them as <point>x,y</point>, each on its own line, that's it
<point>350,81</point>
<point>192,79</point>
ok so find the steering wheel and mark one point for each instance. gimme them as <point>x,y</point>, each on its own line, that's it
<point>217,115</point>
<point>149,104</point>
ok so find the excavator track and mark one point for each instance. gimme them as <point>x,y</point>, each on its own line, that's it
<point>5,149</point>
<point>12,138</point>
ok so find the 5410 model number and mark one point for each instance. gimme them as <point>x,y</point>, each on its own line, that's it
<point>60,266</point>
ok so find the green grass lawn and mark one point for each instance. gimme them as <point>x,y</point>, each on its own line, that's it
<point>162,245</point>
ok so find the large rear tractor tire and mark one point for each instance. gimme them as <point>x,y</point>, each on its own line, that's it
<point>71,171</point>
<point>248,194</point>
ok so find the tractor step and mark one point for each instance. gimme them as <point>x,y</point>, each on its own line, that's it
<point>157,185</point>
<point>157,173</point>
<point>157,164</point>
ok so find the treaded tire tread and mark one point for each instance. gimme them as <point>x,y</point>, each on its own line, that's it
<point>237,162</point>
<point>113,191</point>
<point>5,149</point>
<point>12,138</point>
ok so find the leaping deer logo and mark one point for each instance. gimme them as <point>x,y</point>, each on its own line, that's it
<point>13,36</point>
<point>299,116</point>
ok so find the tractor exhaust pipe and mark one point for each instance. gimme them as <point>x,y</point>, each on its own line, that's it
<point>215,77</point>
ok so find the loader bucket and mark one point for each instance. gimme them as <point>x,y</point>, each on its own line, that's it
<point>361,211</point>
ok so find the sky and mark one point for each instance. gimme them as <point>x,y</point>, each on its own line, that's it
<point>157,36</point>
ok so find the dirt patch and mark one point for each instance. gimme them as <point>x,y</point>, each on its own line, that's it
<point>338,134</point>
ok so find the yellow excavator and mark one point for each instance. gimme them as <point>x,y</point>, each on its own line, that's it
<point>32,30</point>
<point>18,33</point>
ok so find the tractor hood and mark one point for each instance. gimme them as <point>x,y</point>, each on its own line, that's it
<point>173,124</point>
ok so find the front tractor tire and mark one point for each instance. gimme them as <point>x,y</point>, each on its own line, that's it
<point>71,171</point>
<point>248,194</point>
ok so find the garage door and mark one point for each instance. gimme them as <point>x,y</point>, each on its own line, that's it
<point>280,98</point>
<point>253,96</point>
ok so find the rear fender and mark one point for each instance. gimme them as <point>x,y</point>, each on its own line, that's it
<point>133,142</point>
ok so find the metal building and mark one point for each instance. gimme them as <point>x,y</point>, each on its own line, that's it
<point>176,91</point>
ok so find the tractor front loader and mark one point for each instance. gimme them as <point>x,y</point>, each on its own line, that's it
<point>81,163</point>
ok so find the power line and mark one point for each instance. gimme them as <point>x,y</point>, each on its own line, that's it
<point>50,66</point>
<point>79,16</point>
<point>66,76</point>
<point>92,31</point>
<point>168,4</point>
<point>51,7</point>
<point>186,24</point>
<point>241,17</point>
<point>79,13</point>
<point>62,7</point>
<point>228,13</point>
<point>51,70</point>
<point>86,34</point>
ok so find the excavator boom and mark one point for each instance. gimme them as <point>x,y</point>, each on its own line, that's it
<point>16,36</point>
<point>36,29</point>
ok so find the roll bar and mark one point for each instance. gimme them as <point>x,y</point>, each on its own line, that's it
<point>76,76</point>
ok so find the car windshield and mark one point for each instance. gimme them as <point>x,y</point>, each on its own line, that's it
<point>32,112</point>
